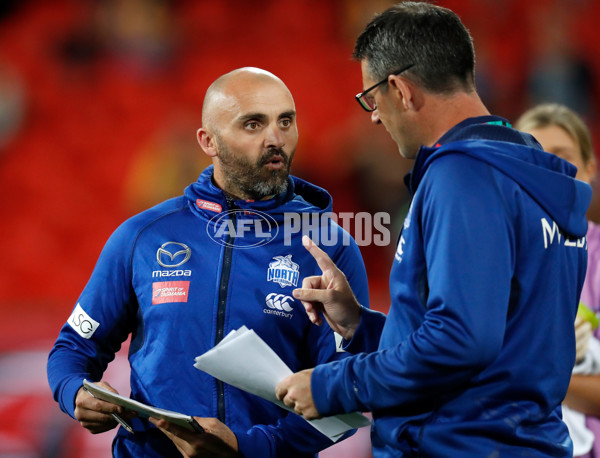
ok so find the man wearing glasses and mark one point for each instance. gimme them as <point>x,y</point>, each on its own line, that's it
<point>476,353</point>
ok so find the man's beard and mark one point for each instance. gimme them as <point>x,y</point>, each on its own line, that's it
<point>246,179</point>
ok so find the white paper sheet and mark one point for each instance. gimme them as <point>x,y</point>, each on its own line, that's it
<point>242,359</point>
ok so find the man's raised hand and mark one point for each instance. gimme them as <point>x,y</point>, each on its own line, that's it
<point>329,294</point>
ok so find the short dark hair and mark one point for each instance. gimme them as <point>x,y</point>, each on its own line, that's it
<point>430,37</point>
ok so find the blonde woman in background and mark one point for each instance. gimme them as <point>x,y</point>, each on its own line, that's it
<point>562,132</point>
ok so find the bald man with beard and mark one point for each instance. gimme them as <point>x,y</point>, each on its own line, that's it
<point>180,276</point>
<point>249,130</point>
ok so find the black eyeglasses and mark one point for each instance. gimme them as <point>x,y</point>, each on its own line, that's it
<point>368,102</point>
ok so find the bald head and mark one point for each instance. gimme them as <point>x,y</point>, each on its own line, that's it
<point>224,92</point>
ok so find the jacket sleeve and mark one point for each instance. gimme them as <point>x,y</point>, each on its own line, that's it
<point>469,249</point>
<point>98,325</point>
<point>367,334</point>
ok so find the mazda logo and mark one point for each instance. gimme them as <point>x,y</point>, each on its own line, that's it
<point>164,253</point>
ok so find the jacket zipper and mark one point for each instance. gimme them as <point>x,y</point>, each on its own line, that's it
<point>223,287</point>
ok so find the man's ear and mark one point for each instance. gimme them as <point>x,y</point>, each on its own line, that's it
<point>403,91</point>
<point>206,142</point>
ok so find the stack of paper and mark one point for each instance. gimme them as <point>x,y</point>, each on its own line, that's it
<point>242,359</point>
<point>143,410</point>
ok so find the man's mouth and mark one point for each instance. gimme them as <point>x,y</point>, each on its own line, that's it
<point>275,162</point>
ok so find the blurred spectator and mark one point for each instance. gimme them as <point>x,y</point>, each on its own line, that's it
<point>558,72</point>
<point>139,34</point>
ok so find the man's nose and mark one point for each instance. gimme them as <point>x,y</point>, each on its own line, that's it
<point>274,137</point>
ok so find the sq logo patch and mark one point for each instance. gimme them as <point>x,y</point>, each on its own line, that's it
<point>82,323</point>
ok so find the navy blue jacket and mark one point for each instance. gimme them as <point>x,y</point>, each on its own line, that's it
<point>178,277</point>
<point>477,350</point>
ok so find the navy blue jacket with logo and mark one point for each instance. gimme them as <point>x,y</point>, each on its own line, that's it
<point>178,277</point>
<point>477,350</point>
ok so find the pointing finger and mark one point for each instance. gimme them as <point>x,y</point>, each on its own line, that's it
<point>323,260</point>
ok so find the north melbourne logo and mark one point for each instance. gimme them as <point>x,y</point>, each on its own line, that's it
<point>283,271</point>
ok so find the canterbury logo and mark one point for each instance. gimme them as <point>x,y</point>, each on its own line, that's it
<point>279,302</point>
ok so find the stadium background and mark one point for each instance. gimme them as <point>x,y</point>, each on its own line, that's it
<point>99,103</point>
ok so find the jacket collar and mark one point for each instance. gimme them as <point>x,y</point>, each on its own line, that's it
<point>461,131</point>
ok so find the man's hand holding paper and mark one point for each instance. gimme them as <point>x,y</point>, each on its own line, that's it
<point>96,415</point>
<point>295,392</point>
<point>217,440</point>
